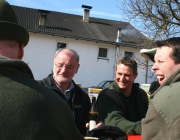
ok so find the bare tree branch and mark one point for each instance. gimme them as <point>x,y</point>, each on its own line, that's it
<point>157,18</point>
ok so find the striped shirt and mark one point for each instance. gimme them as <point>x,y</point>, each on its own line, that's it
<point>68,91</point>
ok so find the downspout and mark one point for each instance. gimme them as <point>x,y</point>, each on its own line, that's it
<point>146,76</point>
<point>118,40</point>
<point>116,60</point>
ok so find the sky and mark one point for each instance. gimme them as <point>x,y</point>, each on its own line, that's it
<point>106,9</point>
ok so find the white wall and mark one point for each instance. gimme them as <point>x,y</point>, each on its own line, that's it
<point>39,54</point>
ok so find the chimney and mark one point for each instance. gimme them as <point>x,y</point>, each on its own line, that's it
<point>86,13</point>
<point>43,17</point>
<point>118,36</point>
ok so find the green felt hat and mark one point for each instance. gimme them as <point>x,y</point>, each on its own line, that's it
<point>148,53</point>
<point>9,27</point>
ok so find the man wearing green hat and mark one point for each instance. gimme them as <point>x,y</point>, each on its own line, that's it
<point>163,116</point>
<point>27,109</point>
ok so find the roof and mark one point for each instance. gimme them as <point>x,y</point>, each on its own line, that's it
<point>72,26</point>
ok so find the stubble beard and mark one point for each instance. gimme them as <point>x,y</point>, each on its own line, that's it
<point>60,80</point>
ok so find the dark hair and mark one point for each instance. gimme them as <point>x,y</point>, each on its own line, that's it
<point>128,61</point>
<point>173,43</point>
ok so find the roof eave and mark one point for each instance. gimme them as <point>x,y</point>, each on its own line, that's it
<point>124,44</point>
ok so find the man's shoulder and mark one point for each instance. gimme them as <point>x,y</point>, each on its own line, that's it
<point>141,94</point>
<point>141,91</point>
<point>136,88</point>
<point>46,81</point>
<point>50,96</point>
<point>108,92</point>
<point>79,92</point>
<point>112,87</point>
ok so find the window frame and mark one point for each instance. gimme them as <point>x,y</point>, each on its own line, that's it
<point>128,54</point>
<point>57,48</point>
<point>101,57</point>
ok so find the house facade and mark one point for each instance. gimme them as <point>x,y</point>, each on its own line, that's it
<point>99,43</point>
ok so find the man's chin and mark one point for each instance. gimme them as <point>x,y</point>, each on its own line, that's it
<point>62,80</point>
<point>161,82</point>
<point>122,86</point>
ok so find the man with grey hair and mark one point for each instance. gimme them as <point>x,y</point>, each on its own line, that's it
<point>28,110</point>
<point>66,64</point>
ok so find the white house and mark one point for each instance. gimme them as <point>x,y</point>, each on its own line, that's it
<point>99,43</point>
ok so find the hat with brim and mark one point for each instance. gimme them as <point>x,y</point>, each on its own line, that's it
<point>9,27</point>
<point>148,53</point>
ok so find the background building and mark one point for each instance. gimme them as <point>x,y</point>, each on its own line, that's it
<point>99,42</point>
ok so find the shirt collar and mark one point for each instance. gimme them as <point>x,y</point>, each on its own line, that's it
<point>71,87</point>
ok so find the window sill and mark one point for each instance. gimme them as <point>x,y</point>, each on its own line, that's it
<point>103,58</point>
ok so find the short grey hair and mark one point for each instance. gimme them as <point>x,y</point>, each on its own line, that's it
<point>73,51</point>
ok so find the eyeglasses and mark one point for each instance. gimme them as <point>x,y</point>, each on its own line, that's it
<point>67,67</point>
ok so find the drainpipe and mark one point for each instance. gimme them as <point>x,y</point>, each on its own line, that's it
<point>146,76</point>
<point>118,40</point>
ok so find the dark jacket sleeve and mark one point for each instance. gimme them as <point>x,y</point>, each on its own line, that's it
<point>81,113</point>
<point>87,106</point>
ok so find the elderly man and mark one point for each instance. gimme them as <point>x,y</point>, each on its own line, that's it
<point>66,64</point>
<point>163,117</point>
<point>28,110</point>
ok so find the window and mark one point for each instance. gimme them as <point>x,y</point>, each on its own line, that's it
<point>128,54</point>
<point>61,45</point>
<point>102,52</point>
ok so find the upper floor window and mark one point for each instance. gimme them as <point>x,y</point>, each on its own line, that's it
<point>103,52</point>
<point>61,45</point>
<point>128,54</point>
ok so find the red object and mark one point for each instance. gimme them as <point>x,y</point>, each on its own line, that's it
<point>134,137</point>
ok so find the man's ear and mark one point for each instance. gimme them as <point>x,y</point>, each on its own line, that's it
<point>135,75</point>
<point>77,68</point>
<point>21,51</point>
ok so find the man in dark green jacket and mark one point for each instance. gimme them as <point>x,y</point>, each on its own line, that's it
<point>163,116</point>
<point>28,110</point>
<point>123,103</point>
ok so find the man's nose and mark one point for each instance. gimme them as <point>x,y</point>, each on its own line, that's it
<point>154,67</point>
<point>122,77</point>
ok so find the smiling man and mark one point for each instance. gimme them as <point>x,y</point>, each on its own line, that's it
<point>123,103</point>
<point>66,64</point>
<point>163,116</point>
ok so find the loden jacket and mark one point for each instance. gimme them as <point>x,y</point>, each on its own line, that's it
<point>113,107</point>
<point>162,121</point>
<point>29,110</point>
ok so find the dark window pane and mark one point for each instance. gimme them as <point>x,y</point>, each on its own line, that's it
<point>61,45</point>
<point>128,54</point>
<point>102,52</point>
